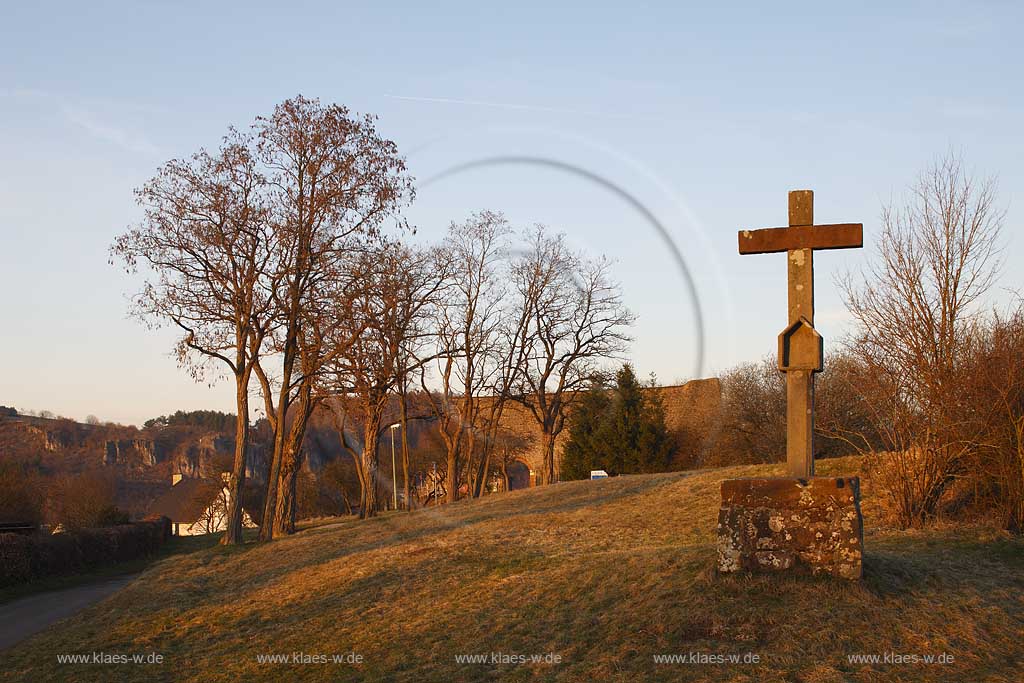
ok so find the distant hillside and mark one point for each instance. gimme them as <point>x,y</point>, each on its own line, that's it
<point>605,575</point>
<point>140,460</point>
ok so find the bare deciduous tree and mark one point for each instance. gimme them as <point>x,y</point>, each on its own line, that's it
<point>398,284</point>
<point>419,279</point>
<point>753,416</point>
<point>83,500</point>
<point>215,511</point>
<point>916,309</point>
<point>205,238</point>
<point>996,397</point>
<point>573,320</point>
<point>23,497</point>
<point>332,181</point>
<point>466,331</point>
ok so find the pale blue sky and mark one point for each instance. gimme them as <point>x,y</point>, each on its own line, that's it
<point>705,115</point>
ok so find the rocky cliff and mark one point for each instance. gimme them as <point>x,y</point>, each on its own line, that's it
<point>63,446</point>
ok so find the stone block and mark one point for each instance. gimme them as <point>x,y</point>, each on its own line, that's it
<point>779,524</point>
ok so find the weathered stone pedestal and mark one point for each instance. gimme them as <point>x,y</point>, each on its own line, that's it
<point>788,524</point>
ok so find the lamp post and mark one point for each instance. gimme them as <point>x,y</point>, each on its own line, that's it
<point>394,473</point>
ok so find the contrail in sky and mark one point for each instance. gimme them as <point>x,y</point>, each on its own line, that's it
<point>524,107</point>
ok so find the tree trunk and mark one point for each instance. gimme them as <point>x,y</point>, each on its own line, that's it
<point>451,477</point>
<point>291,463</point>
<point>284,511</point>
<point>291,353</point>
<point>284,514</point>
<point>357,460</point>
<point>368,463</point>
<point>480,485</point>
<point>233,532</point>
<point>280,438</point>
<point>547,474</point>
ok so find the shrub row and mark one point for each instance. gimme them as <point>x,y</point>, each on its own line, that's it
<point>25,558</point>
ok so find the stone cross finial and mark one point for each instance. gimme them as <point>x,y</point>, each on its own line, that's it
<point>800,345</point>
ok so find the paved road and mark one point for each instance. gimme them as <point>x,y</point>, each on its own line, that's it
<point>22,617</point>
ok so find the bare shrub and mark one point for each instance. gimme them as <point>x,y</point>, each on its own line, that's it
<point>83,501</point>
<point>917,309</point>
<point>753,416</point>
<point>996,398</point>
<point>20,495</point>
<point>843,421</point>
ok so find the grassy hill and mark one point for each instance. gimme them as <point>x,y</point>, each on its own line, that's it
<point>604,575</point>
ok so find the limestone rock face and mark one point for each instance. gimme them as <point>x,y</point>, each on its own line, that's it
<point>786,523</point>
<point>137,452</point>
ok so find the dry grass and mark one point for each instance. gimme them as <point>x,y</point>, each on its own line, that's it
<point>605,574</point>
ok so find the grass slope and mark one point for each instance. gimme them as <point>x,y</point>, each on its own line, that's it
<point>604,574</point>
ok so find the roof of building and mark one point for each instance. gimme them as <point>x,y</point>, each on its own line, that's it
<point>186,501</point>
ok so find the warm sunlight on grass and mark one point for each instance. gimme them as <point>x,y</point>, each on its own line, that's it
<point>604,574</point>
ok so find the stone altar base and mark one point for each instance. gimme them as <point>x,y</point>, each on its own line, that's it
<point>788,524</point>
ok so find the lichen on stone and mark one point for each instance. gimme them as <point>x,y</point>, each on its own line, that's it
<point>765,525</point>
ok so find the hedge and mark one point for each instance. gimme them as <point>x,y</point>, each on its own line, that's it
<point>25,558</point>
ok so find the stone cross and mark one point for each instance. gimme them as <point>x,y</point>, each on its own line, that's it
<point>800,345</point>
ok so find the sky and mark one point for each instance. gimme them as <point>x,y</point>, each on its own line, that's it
<point>643,133</point>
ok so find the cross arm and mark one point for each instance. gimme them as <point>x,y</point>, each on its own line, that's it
<point>772,240</point>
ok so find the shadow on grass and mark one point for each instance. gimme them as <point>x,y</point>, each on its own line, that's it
<point>568,497</point>
<point>904,563</point>
<point>434,522</point>
<point>353,537</point>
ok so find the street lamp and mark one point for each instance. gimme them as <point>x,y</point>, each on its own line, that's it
<point>394,474</point>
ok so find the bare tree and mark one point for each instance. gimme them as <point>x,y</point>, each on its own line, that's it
<point>205,238</point>
<point>214,512</point>
<point>753,416</point>
<point>333,182</point>
<point>916,309</point>
<point>419,279</point>
<point>573,320</point>
<point>467,328</point>
<point>337,478</point>
<point>843,420</point>
<point>23,498</point>
<point>399,283</point>
<point>330,324</point>
<point>753,413</point>
<point>83,500</point>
